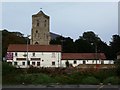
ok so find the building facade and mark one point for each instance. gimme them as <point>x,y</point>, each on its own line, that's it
<point>36,56</point>
<point>76,59</point>
<point>50,56</point>
<point>40,29</point>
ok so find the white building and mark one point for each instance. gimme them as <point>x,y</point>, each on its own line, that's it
<point>76,59</point>
<point>38,55</point>
<point>23,56</point>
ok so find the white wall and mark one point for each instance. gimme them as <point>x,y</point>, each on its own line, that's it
<point>46,59</point>
<point>86,62</point>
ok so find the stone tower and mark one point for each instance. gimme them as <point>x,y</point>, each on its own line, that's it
<point>40,29</point>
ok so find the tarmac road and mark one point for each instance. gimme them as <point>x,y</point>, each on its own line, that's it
<point>62,87</point>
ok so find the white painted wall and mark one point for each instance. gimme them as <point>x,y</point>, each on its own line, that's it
<point>86,62</point>
<point>46,59</point>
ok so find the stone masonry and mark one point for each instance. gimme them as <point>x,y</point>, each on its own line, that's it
<point>40,29</point>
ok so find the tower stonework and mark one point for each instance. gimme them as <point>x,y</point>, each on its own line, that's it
<point>40,29</point>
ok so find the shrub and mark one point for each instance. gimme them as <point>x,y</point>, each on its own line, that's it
<point>90,80</point>
<point>63,79</point>
<point>7,69</point>
<point>112,80</point>
<point>43,79</point>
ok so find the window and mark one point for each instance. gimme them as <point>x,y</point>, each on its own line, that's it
<point>15,63</point>
<point>45,23</point>
<point>36,31</point>
<point>83,62</point>
<point>75,62</point>
<point>33,53</point>
<point>102,62</point>
<point>38,63</point>
<point>37,22</point>
<point>53,63</point>
<point>23,63</point>
<point>28,62</point>
<point>20,58</point>
<point>15,53</point>
<point>35,58</point>
<point>33,63</point>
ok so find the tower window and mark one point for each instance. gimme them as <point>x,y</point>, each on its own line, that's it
<point>45,23</point>
<point>36,31</point>
<point>37,22</point>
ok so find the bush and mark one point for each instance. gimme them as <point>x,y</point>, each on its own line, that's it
<point>43,79</point>
<point>7,69</point>
<point>34,79</point>
<point>63,79</point>
<point>112,80</point>
<point>90,80</point>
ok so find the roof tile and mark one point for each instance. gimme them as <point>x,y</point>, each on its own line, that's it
<point>74,56</point>
<point>34,48</point>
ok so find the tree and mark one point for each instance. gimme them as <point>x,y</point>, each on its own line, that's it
<point>115,46</point>
<point>91,37</point>
<point>82,46</point>
<point>117,64</point>
<point>11,38</point>
<point>66,42</point>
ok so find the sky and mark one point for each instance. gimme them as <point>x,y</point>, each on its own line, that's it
<point>66,18</point>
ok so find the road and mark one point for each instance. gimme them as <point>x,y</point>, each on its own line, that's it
<point>62,87</point>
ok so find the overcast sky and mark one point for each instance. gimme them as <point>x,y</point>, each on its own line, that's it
<point>67,19</point>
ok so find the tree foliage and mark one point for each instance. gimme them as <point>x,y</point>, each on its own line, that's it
<point>11,38</point>
<point>89,42</point>
<point>115,45</point>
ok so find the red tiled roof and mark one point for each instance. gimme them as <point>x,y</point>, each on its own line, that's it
<point>74,56</point>
<point>34,48</point>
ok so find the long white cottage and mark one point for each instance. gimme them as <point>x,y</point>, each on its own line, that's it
<point>24,56</point>
<point>76,59</point>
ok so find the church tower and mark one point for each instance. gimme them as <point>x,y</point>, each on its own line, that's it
<point>40,29</point>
